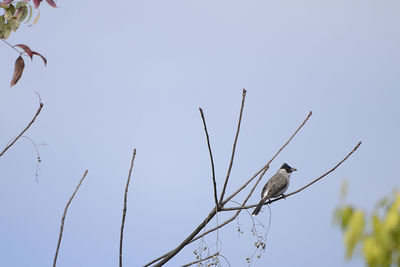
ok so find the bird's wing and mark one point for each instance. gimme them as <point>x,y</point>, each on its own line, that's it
<point>264,189</point>
<point>276,186</point>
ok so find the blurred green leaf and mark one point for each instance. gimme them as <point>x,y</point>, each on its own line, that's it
<point>14,24</point>
<point>10,11</point>
<point>379,236</point>
<point>20,4</point>
<point>6,31</point>
<point>343,189</point>
<point>23,13</point>
<point>346,216</point>
<point>354,232</point>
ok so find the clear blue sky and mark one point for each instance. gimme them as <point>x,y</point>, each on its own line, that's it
<point>131,74</point>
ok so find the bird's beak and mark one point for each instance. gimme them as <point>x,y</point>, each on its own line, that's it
<point>294,169</point>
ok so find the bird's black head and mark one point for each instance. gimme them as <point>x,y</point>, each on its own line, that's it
<point>288,168</point>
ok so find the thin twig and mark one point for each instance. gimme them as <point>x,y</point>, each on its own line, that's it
<point>300,189</point>
<point>26,128</point>
<point>225,259</point>
<point>211,158</point>
<point>63,217</point>
<point>10,45</point>
<point>38,159</point>
<point>207,258</point>
<point>234,147</point>
<point>217,235</point>
<point>125,208</point>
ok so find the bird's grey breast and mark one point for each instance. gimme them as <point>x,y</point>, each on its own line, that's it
<point>276,186</point>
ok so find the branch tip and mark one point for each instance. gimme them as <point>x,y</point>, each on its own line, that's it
<point>23,131</point>
<point>125,207</point>
<point>63,217</point>
<point>233,148</point>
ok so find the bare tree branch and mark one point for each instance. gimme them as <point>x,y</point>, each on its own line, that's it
<point>207,258</point>
<point>216,227</point>
<point>211,159</point>
<point>234,147</point>
<point>187,240</point>
<point>236,214</point>
<point>266,166</point>
<point>63,217</point>
<point>243,207</point>
<point>166,257</point>
<point>262,171</point>
<point>300,189</point>
<point>157,259</point>
<point>125,208</point>
<point>26,128</point>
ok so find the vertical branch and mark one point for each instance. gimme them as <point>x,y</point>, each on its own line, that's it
<point>234,148</point>
<point>211,159</point>
<point>63,217</point>
<point>125,208</point>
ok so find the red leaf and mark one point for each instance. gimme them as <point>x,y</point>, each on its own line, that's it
<point>51,2</point>
<point>18,69</point>
<point>43,58</point>
<point>31,53</point>
<point>37,3</point>
<point>26,49</point>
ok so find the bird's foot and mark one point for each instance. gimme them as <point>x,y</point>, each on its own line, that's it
<point>283,196</point>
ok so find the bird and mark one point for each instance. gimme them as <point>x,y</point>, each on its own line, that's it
<point>276,186</point>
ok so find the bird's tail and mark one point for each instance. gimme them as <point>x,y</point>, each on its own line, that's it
<point>258,208</point>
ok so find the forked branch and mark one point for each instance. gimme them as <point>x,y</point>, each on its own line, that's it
<point>193,236</point>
